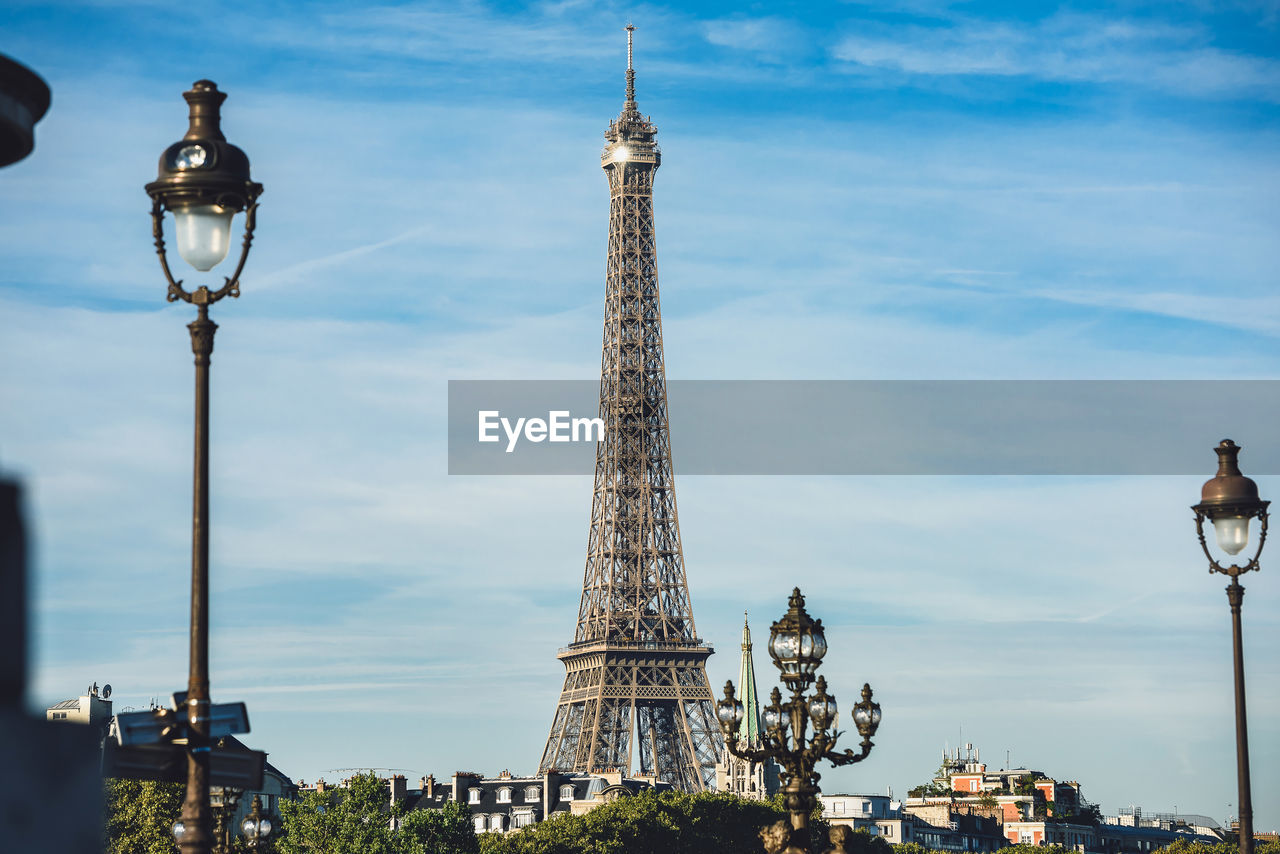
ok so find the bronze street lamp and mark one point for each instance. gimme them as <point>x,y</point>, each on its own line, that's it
<point>797,645</point>
<point>1230,501</point>
<point>224,801</point>
<point>256,826</point>
<point>204,182</point>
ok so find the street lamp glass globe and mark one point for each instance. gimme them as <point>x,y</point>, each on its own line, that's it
<point>822,709</point>
<point>1232,533</point>
<point>250,828</point>
<point>264,827</point>
<point>204,234</point>
<point>179,830</point>
<point>730,714</point>
<point>813,644</point>
<point>784,646</point>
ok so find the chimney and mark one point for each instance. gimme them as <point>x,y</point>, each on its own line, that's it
<point>462,781</point>
<point>550,791</point>
<point>429,786</point>
<point>398,787</point>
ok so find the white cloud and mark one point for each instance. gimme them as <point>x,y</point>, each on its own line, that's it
<point>1070,48</point>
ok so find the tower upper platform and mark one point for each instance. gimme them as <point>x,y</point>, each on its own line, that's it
<point>630,137</point>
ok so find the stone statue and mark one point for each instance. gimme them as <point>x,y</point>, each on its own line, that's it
<point>776,836</point>
<point>840,835</point>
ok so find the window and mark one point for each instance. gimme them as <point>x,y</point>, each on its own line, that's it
<point>532,793</point>
<point>523,819</point>
<point>473,796</point>
<point>566,793</point>
<point>837,806</point>
<point>495,822</point>
<point>1026,837</point>
<point>478,821</point>
<point>504,795</point>
<point>973,785</point>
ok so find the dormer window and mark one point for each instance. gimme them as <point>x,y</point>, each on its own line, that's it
<point>504,795</point>
<point>473,796</point>
<point>495,822</point>
<point>479,822</point>
<point>566,793</point>
<point>532,793</point>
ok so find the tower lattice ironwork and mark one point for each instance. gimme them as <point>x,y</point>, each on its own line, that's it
<point>636,680</point>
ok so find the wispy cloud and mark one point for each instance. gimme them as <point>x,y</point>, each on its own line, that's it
<point>1070,48</point>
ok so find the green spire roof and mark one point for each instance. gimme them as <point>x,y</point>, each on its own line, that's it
<point>749,729</point>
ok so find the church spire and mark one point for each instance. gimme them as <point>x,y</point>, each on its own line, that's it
<point>749,729</point>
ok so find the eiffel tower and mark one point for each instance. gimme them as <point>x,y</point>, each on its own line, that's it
<point>637,679</point>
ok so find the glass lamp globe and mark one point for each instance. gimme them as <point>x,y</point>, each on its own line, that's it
<point>729,711</point>
<point>1232,533</point>
<point>204,234</point>
<point>179,829</point>
<point>866,715</point>
<point>796,642</point>
<point>822,709</point>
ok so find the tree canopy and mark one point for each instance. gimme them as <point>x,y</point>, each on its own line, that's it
<point>358,818</point>
<point>140,816</point>
<point>667,822</point>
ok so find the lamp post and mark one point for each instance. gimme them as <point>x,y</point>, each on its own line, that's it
<point>256,827</point>
<point>204,182</point>
<point>1230,501</point>
<point>797,645</point>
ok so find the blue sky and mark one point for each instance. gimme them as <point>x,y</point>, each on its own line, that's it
<point>915,190</point>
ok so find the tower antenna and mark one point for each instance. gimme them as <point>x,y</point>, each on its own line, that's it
<point>631,71</point>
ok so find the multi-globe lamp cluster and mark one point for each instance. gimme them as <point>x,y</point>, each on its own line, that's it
<point>797,645</point>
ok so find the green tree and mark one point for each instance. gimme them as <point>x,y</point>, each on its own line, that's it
<point>140,816</point>
<point>358,817</point>
<point>1027,848</point>
<point>911,848</point>
<point>1182,846</point>
<point>667,822</point>
<point>444,831</point>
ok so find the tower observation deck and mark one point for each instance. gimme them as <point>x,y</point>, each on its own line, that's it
<point>635,696</point>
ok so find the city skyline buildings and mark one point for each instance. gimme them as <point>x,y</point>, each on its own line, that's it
<point>918,191</point>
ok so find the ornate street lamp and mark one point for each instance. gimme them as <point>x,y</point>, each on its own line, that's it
<point>1230,501</point>
<point>224,801</point>
<point>256,827</point>
<point>204,182</point>
<point>797,645</point>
